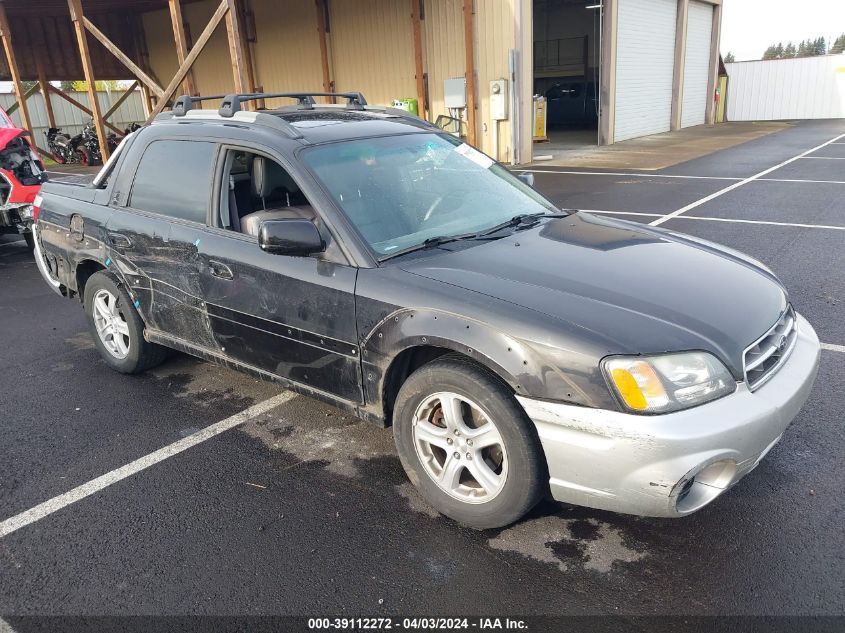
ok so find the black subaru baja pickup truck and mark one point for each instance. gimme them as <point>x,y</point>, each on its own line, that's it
<point>362,256</point>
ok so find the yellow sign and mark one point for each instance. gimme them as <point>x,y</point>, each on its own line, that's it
<point>539,119</point>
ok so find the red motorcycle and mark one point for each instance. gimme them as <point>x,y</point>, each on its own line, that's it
<point>21,176</point>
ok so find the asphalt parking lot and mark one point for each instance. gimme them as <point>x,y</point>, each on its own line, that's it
<point>304,510</point>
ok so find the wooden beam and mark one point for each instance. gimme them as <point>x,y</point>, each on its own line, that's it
<point>236,48</point>
<point>45,92</point>
<point>324,46</point>
<point>78,18</point>
<point>6,36</point>
<point>222,10</point>
<point>248,37</point>
<point>469,46</point>
<point>81,106</point>
<point>32,90</point>
<point>127,93</point>
<point>418,56</point>
<point>112,48</point>
<point>189,86</point>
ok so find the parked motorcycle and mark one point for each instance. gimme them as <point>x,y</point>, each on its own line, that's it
<point>63,148</point>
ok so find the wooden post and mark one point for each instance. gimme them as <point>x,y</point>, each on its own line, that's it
<point>236,48</point>
<point>322,29</point>
<point>147,101</point>
<point>45,92</point>
<point>222,10</point>
<point>418,56</point>
<point>121,56</point>
<point>76,103</point>
<point>6,35</point>
<point>248,36</point>
<point>469,46</point>
<point>189,86</point>
<point>76,15</point>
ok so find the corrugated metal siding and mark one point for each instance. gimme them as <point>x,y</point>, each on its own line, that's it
<point>806,88</point>
<point>494,37</point>
<point>287,51</point>
<point>70,118</point>
<point>697,63</point>
<point>645,61</point>
<point>373,48</point>
<point>443,45</point>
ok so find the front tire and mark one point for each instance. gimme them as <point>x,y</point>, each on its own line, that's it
<point>29,238</point>
<point>467,444</point>
<point>116,327</point>
<point>83,157</point>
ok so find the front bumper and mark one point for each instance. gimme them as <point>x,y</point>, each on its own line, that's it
<point>674,464</point>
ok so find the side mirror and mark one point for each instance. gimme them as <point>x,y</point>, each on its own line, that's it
<point>294,237</point>
<point>527,178</point>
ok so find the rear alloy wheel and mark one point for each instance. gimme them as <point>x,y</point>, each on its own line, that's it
<point>467,444</point>
<point>111,324</point>
<point>117,328</point>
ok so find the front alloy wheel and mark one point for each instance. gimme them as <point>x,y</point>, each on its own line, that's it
<point>467,444</point>
<point>460,448</point>
<point>111,324</point>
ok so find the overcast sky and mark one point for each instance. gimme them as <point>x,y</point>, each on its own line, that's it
<point>750,26</point>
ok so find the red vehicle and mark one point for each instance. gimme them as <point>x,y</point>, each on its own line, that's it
<point>21,176</point>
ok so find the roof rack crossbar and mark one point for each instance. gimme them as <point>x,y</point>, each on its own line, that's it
<point>232,103</point>
<point>186,102</point>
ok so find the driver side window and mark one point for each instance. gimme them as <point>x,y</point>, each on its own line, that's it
<point>257,188</point>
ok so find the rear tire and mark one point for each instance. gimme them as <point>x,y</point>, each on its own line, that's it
<point>117,328</point>
<point>58,158</point>
<point>83,157</point>
<point>467,444</point>
<point>29,238</point>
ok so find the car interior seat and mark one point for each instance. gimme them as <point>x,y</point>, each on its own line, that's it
<point>275,195</point>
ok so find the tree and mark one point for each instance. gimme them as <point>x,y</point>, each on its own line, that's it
<point>771,53</point>
<point>82,86</point>
<point>730,58</point>
<point>820,47</point>
<point>790,50</point>
<point>838,45</point>
<point>779,51</point>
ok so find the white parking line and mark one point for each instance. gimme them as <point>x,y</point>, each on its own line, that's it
<point>95,485</point>
<point>624,174</point>
<point>824,157</point>
<point>830,346</point>
<point>697,217</point>
<point>644,176</point>
<point>739,184</point>
<point>5,627</point>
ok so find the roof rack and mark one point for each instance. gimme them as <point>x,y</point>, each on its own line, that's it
<point>186,102</point>
<point>232,103</point>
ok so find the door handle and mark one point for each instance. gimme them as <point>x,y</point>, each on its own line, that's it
<point>220,270</point>
<point>119,240</point>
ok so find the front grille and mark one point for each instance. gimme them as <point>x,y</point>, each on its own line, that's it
<point>765,357</point>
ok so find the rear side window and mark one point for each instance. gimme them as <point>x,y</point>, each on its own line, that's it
<point>175,178</point>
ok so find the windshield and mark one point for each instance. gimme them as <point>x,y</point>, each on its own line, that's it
<point>400,191</point>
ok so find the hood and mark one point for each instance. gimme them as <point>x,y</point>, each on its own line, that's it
<point>633,289</point>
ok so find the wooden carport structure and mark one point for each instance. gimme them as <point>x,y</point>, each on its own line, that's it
<point>68,40</point>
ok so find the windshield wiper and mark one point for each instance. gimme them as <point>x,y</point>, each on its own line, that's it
<point>522,221</point>
<point>433,242</point>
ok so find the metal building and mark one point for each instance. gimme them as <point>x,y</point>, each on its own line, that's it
<point>607,69</point>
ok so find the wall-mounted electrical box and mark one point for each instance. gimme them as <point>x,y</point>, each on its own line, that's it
<point>455,93</point>
<point>499,99</point>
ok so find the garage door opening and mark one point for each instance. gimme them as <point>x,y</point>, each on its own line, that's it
<point>567,54</point>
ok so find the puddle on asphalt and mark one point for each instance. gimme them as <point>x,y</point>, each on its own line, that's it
<point>594,544</point>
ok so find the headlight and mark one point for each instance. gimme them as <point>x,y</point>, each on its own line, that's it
<point>659,384</point>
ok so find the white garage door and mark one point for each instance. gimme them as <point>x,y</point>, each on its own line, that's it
<point>697,63</point>
<point>645,61</point>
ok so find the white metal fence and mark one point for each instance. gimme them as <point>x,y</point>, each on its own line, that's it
<point>70,118</point>
<point>779,89</point>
